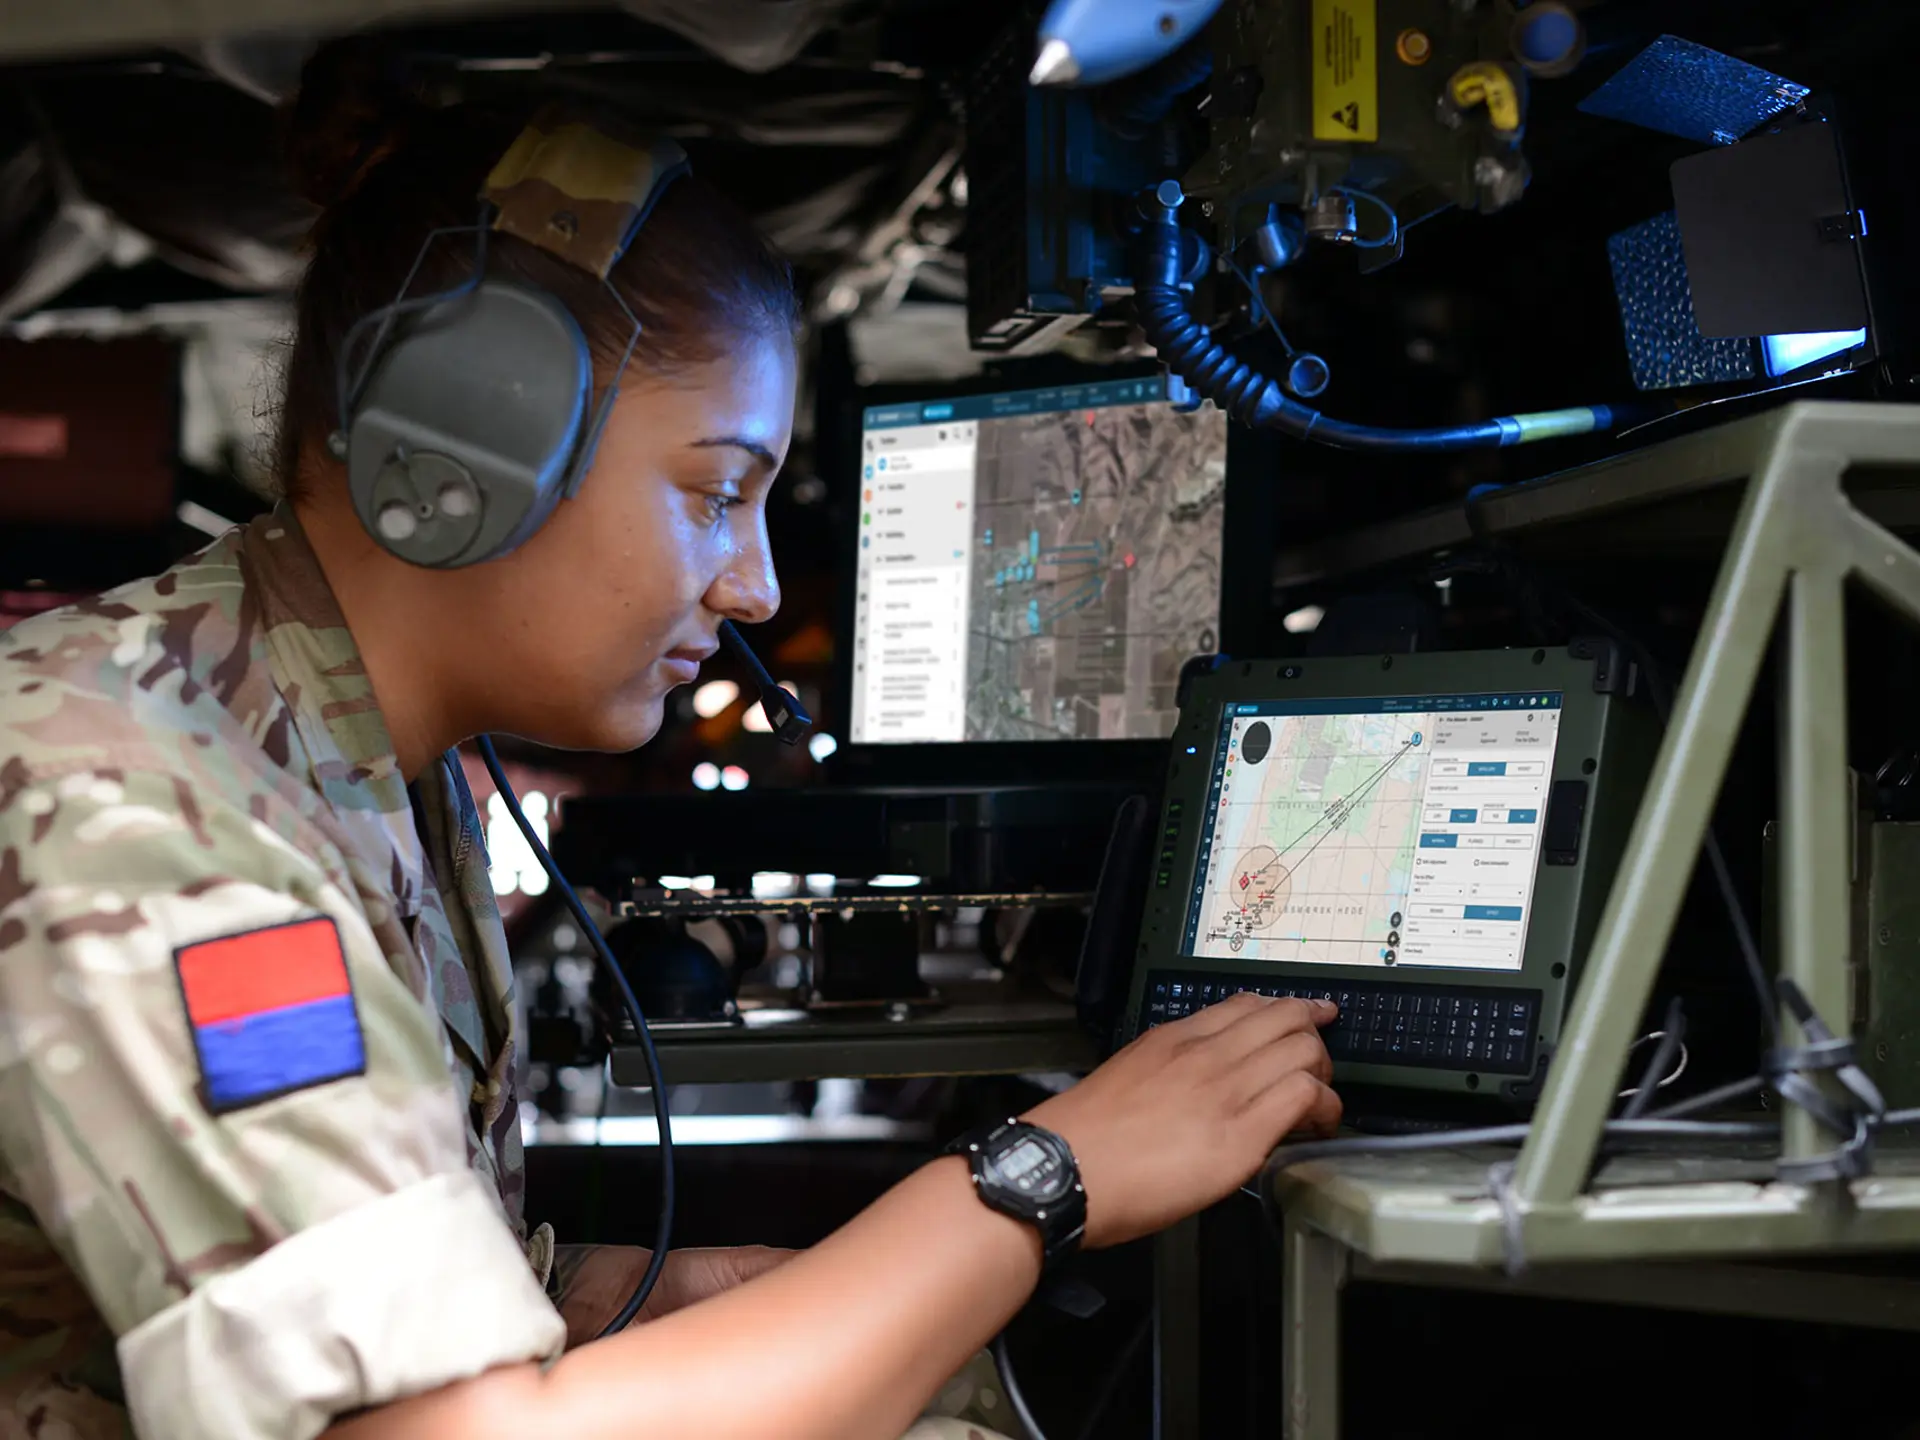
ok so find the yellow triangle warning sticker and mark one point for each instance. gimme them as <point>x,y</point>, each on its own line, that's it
<point>1346,66</point>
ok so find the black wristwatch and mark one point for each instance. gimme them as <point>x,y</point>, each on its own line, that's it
<point>1029,1173</point>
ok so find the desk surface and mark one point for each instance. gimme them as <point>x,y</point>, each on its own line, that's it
<point>1437,1207</point>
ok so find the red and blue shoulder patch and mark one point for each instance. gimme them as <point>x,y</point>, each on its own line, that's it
<point>272,1012</point>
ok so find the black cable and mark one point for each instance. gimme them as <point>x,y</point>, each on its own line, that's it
<point>1004,1363</point>
<point>664,1232</point>
<point>1188,350</point>
<point>1116,1373</point>
<point>1711,1099</point>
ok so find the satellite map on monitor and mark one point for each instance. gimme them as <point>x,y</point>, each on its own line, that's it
<point>1096,573</point>
<point>1035,564</point>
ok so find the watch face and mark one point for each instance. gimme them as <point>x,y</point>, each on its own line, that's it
<point>1032,1168</point>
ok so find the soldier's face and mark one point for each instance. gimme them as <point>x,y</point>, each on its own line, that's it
<point>619,596</point>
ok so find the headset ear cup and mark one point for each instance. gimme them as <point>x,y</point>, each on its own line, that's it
<point>465,435</point>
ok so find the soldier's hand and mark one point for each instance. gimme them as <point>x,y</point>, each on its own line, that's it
<point>1188,1112</point>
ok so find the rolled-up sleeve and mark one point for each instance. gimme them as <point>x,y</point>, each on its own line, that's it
<point>236,1121</point>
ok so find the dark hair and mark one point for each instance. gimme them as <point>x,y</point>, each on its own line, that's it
<point>387,169</point>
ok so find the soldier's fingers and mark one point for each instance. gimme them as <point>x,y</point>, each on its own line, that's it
<point>1299,1101</point>
<point>1256,1029</point>
<point>1271,1064</point>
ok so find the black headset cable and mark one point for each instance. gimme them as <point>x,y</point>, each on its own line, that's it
<point>664,1233</point>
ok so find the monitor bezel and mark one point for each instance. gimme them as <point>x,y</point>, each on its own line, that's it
<point>1606,740</point>
<point>1246,603</point>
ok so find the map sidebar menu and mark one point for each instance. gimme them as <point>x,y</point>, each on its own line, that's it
<point>1402,831</point>
<point>1035,565</point>
<point>910,608</point>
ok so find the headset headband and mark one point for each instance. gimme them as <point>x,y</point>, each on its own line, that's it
<point>580,189</point>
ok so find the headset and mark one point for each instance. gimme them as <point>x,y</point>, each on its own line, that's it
<point>471,416</point>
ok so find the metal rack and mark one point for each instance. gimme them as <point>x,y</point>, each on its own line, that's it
<point>968,1036</point>
<point>969,1029</point>
<point>1798,536</point>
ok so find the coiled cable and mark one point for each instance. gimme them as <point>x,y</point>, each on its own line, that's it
<point>1188,349</point>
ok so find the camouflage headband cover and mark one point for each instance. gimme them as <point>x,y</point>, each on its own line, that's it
<point>578,189</point>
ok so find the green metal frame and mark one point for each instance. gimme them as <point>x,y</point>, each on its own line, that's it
<point>1416,1218</point>
<point>1796,542</point>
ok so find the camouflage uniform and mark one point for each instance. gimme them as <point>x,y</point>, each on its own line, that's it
<point>200,756</point>
<point>195,763</point>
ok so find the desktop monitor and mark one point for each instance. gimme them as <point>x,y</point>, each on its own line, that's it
<point>1034,565</point>
<point>1424,839</point>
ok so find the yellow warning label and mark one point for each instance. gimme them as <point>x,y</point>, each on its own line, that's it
<point>1346,70</point>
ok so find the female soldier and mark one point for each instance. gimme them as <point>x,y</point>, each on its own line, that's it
<point>259,1160</point>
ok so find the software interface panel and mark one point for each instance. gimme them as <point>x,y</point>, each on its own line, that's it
<point>1035,565</point>
<point>1400,831</point>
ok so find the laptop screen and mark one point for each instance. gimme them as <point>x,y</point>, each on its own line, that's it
<point>1035,565</point>
<point>1398,831</point>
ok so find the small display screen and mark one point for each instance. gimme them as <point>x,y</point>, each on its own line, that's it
<point>1035,565</point>
<point>1399,831</point>
<point>1021,1161</point>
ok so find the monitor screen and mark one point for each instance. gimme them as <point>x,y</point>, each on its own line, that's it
<point>1401,831</point>
<point>1035,565</point>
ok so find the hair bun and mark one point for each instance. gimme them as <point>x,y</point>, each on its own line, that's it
<point>354,105</point>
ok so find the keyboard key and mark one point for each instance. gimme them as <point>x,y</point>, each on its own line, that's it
<point>1417,1005</point>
